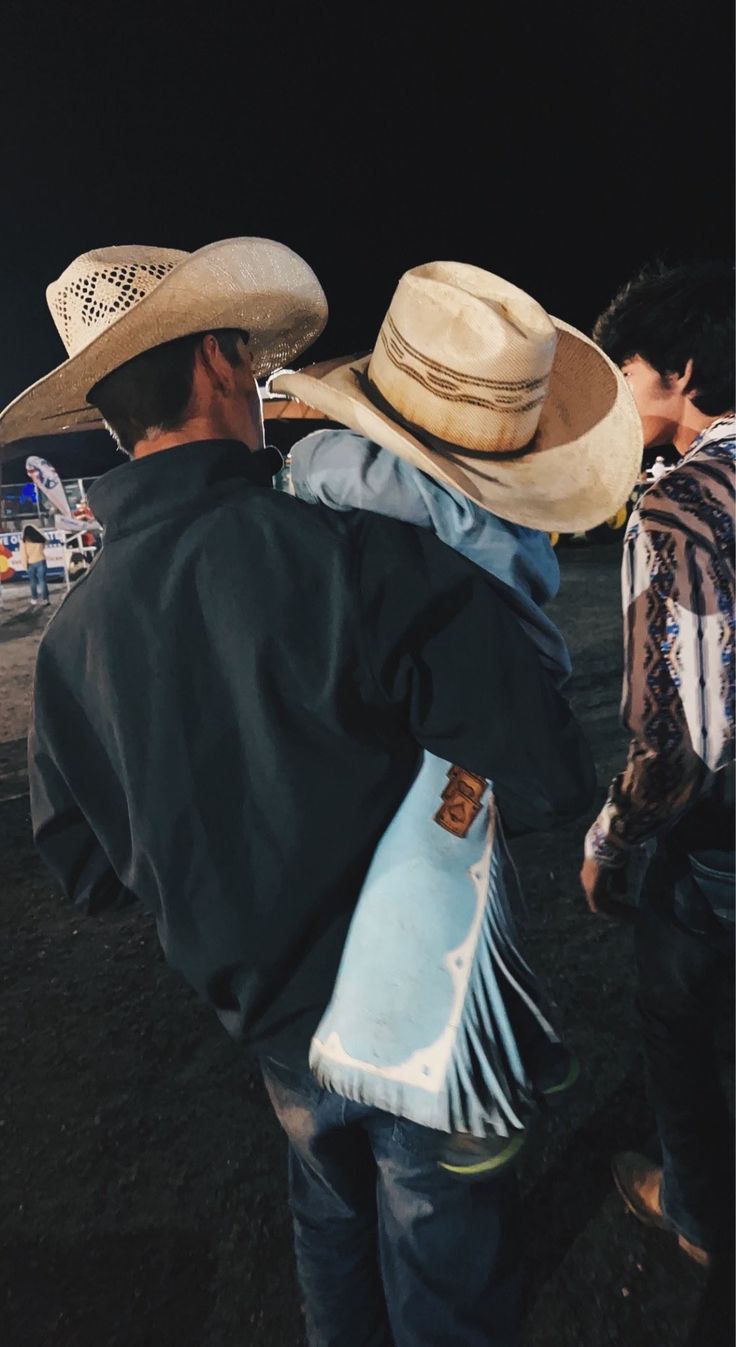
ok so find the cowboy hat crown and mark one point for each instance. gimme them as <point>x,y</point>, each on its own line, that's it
<point>112,304</point>
<point>472,382</point>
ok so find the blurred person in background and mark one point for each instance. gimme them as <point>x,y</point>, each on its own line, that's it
<point>32,555</point>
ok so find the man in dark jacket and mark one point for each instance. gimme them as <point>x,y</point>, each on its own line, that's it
<point>229,709</point>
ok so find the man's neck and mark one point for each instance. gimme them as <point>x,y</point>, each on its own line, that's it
<point>693,424</point>
<point>198,428</point>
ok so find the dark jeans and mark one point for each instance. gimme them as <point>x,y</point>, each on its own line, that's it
<point>685,961</point>
<point>37,576</point>
<point>390,1250</point>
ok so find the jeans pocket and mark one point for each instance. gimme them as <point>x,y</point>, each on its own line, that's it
<point>290,1079</point>
<point>422,1142</point>
<point>295,1097</point>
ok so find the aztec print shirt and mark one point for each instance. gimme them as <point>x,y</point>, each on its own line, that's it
<point>678,689</point>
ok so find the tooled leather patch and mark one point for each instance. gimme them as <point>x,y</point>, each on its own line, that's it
<point>461,801</point>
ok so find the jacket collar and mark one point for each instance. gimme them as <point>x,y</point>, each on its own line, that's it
<point>144,491</point>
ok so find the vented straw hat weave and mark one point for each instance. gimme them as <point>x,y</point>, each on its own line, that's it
<point>114,303</point>
<point>472,382</point>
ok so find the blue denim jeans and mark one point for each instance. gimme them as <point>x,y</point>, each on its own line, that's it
<point>391,1251</point>
<point>37,576</point>
<point>685,955</point>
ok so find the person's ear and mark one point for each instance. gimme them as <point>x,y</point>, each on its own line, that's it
<point>213,364</point>
<point>682,382</point>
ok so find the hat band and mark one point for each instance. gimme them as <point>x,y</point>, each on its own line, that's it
<point>445,448</point>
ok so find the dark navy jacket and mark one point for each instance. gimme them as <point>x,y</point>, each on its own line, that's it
<point>229,709</point>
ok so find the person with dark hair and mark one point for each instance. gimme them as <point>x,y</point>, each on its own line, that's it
<point>153,390</point>
<point>266,675</point>
<point>676,323</point>
<point>672,332</point>
<point>32,556</point>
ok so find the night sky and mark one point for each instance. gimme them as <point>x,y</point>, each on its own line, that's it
<point>560,147</point>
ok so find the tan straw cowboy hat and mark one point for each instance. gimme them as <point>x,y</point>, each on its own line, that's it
<point>112,304</point>
<point>475,384</point>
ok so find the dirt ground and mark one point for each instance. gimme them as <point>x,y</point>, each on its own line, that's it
<point>144,1196</point>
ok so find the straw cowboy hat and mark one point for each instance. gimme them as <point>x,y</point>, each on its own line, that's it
<point>471,381</point>
<point>112,304</point>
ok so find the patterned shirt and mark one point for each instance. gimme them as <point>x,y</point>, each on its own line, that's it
<point>678,689</point>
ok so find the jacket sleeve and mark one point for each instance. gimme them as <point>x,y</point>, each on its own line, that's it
<point>65,840</point>
<point>448,652</point>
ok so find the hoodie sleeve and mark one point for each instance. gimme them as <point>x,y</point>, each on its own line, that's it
<point>347,472</point>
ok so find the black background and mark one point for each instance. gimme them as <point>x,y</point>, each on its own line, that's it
<point>559,146</point>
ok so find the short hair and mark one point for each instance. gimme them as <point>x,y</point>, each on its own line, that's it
<point>32,535</point>
<point>153,390</point>
<point>671,314</point>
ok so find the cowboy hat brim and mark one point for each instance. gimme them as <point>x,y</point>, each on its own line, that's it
<point>583,461</point>
<point>249,283</point>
